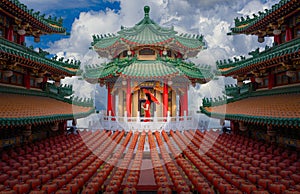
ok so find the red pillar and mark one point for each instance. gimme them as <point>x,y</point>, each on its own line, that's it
<point>109,100</point>
<point>113,100</point>
<point>27,81</point>
<point>165,99</point>
<point>181,105</point>
<point>128,99</point>
<point>270,80</point>
<point>185,101</point>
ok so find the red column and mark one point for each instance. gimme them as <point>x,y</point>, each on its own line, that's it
<point>27,81</point>
<point>181,109</point>
<point>109,99</point>
<point>128,98</point>
<point>165,99</point>
<point>113,98</point>
<point>185,101</point>
<point>270,80</point>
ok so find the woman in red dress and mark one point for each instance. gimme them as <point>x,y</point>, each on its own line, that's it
<point>146,107</point>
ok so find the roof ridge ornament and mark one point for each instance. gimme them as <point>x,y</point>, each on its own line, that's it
<point>146,10</point>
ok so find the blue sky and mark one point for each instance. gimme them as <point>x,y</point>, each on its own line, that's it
<point>212,18</point>
<point>68,13</point>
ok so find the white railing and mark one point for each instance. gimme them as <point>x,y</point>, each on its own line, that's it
<point>152,123</point>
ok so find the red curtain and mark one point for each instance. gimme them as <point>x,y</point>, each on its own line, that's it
<point>10,34</point>
<point>288,34</point>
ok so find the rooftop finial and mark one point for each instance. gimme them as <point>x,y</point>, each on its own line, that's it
<point>146,10</point>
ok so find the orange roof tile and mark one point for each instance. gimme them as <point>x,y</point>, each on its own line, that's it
<point>19,106</point>
<point>275,106</point>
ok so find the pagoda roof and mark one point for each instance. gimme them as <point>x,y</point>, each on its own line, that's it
<point>279,107</point>
<point>22,107</point>
<point>22,14</point>
<point>263,20</point>
<point>160,68</point>
<point>27,56</point>
<point>269,57</point>
<point>147,33</point>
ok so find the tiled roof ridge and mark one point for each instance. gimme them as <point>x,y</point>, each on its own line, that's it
<point>245,23</point>
<point>147,33</point>
<point>118,65</point>
<point>262,120</point>
<point>52,91</point>
<point>52,23</point>
<point>269,53</point>
<point>38,57</point>
<point>211,102</point>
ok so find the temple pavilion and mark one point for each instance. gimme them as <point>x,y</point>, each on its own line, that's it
<point>33,103</point>
<point>152,57</point>
<point>259,156</point>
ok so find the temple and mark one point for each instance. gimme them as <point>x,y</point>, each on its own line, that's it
<point>147,56</point>
<point>267,92</point>
<point>30,81</point>
<point>259,155</point>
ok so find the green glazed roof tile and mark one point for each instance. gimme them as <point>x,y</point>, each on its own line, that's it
<point>24,53</point>
<point>21,11</point>
<point>277,51</point>
<point>147,69</point>
<point>247,25</point>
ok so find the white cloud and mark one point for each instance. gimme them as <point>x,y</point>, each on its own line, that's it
<point>83,28</point>
<point>254,6</point>
<point>213,23</point>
